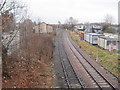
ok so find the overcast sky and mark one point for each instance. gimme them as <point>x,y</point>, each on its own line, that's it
<point>52,11</point>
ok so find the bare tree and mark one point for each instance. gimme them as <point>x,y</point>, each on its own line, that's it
<point>2,4</point>
<point>70,23</point>
<point>108,19</point>
<point>59,24</point>
<point>7,8</point>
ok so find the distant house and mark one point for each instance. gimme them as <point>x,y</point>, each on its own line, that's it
<point>43,28</point>
<point>94,27</point>
<point>80,27</point>
<point>49,28</point>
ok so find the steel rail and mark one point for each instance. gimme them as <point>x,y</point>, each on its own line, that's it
<point>62,64</point>
<point>85,68</point>
<point>78,78</point>
<point>91,66</point>
<point>98,62</point>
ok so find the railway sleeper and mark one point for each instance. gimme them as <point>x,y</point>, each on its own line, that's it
<point>105,85</point>
<point>75,85</point>
<point>96,75</point>
<point>99,79</point>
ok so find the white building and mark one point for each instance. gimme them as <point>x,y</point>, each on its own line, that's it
<point>80,27</point>
<point>94,27</point>
<point>11,39</point>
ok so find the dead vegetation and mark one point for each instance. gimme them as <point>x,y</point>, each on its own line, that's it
<point>31,66</point>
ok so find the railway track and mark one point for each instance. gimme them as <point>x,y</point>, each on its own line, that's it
<point>93,73</point>
<point>69,74</point>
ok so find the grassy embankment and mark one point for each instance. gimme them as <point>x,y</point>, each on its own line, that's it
<point>105,58</point>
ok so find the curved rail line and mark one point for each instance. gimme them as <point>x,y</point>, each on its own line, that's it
<point>78,78</point>
<point>63,66</point>
<point>98,78</point>
<point>67,79</point>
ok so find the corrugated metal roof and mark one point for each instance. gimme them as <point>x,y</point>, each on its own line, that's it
<point>108,38</point>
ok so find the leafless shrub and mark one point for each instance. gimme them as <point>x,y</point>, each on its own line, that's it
<point>30,61</point>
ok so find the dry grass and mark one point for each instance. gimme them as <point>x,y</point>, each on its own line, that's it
<point>105,58</point>
<point>31,66</point>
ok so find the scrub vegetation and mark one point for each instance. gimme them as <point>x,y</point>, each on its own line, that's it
<point>32,65</point>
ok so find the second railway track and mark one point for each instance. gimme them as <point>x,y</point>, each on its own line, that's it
<point>95,75</point>
<point>69,76</point>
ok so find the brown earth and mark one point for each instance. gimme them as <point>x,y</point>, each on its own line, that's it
<point>32,65</point>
